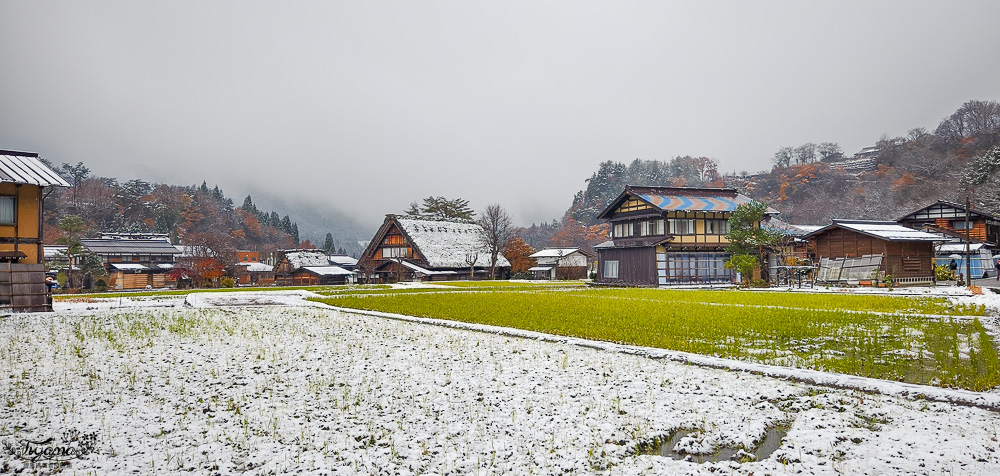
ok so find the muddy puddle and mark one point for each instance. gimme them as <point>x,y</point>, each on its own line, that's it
<point>668,447</point>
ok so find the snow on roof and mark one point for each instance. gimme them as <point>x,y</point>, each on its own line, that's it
<point>27,169</point>
<point>153,247</point>
<point>129,266</point>
<point>554,252</point>
<point>541,268</point>
<point>445,244</point>
<point>327,270</point>
<point>256,267</point>
<point>959,247</point>
<point>342,260</point>
<point>424,270</point>
<point>306,258</point>
<point>886,230</point>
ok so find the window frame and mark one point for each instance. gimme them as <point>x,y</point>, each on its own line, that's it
<point>13,209</point>
<point>611,269</point>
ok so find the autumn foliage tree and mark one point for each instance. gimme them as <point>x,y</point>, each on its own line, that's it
<point>519,254</point>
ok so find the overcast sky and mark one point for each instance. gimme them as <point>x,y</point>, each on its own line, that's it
<point>367,106</point>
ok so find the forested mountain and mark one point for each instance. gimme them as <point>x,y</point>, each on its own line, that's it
<point>810,184</point>
<point>190,215</point>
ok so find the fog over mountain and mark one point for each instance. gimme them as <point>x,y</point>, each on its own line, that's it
<point>361,108</point>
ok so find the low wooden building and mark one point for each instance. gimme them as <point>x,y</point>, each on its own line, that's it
<point>24,179</point>
<point>561,263</point>
<point>406,248</point>
<point>668,235</point>
<point>308,268</point>
<point>135,263</point>
<point>879,248</point>
<point>252,274</point>
<point>949,217</point>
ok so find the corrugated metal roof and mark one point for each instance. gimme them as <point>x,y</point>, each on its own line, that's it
<point>885,230</point>
<point>328,270</point>
<point>554,252</point>
<point>152,247</point>
<point>28,170</point>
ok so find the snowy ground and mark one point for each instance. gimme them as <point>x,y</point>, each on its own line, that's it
<point>263,383</point>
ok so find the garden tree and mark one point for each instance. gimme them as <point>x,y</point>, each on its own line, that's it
<point>443,208</point>
<point>90,267</point>
<point>747,238</point>
<point>498,229</point>
<point>72,226</point>
<point>470,260</point>
<point>328,245</point>
<point>829,152</point>
<point>519,254</point>
<point>77,174</point>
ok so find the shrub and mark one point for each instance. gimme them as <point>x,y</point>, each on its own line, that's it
<point>227,282</point>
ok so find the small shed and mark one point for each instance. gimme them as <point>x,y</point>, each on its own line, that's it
<point>879,248</point>
<point>308,268</point>
<point>561,263</point>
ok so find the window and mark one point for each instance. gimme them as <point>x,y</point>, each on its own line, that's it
<point>658,226</point>
<point>7,210</point>
<point>623,229</point>
<point>682,226</point>
<point>644,228</point>
<point>394,252</point>
<point>611,269</point>
<point>959,225</point>
<point>716,227</point>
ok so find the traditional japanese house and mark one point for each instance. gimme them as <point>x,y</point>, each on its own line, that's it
<point>561,263</point>
<point>668,235</point>
<point>308,268</point>
<point>23,183</point>
<point>949,217</point>
<point>860,250</point>
<point>247,273</point>
<point>135,263</point>
<point>406,248</point>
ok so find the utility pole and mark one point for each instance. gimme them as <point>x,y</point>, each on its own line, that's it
<point>968,240</point>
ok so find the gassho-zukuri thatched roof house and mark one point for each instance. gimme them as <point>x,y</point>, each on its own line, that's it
<point>406,248</point>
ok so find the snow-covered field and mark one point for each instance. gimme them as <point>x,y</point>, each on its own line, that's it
<point>263,383</point>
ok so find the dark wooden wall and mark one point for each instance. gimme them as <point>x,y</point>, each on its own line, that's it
<point>636,266</point>
<point>901,259</point>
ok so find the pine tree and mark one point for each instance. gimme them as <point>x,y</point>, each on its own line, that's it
<point>328,243</point>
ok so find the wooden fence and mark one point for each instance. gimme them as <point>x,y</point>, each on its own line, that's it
<point>23,289</point>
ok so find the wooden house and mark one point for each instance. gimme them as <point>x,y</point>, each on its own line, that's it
<point>406,248</point>
<point>23,182</point>
<point>247,273</point>
<point>949,217</point>
<point>308,268</point>
<point>668,235</point>
<point>876,249</point>
<point>135,263</point>
<point>561,263</point>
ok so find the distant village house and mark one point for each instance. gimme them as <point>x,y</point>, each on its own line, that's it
<point>562,263</point>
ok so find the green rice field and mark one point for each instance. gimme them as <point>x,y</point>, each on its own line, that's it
<point>872,336</point>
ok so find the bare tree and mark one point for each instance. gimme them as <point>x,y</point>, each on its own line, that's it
<point>470,259</point>
<point>498,229</point>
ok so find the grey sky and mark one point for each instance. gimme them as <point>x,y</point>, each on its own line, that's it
<point>366,106</point>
